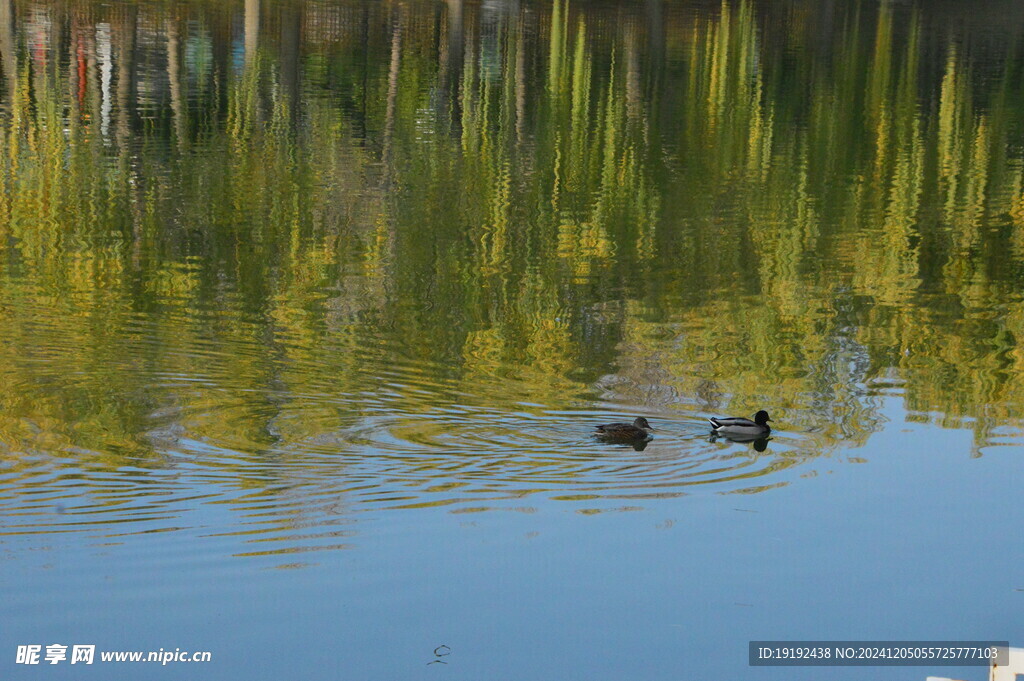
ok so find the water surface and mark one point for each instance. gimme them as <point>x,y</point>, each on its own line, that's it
<point>308,310</point>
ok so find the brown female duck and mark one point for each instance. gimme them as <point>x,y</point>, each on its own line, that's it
<point>638,430</point>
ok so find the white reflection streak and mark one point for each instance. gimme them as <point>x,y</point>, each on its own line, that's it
<point>252,29</point>
<point>103,52</point>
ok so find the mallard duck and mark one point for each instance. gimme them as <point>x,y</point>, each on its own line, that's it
<point>745,428</point>
<point>626,431</point>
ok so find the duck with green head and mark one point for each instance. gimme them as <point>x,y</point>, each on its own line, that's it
<point>734,427</point>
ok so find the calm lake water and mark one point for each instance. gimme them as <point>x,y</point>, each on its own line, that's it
<point>308,310</point>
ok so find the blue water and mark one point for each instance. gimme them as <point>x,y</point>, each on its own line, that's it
<point>917,541</point>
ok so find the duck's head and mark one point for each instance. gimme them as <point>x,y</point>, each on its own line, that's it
<point>641,422</point>
<point>761,418</point>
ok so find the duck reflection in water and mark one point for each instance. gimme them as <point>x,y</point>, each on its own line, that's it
<point>760,443</point>
<point>638,445</point>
